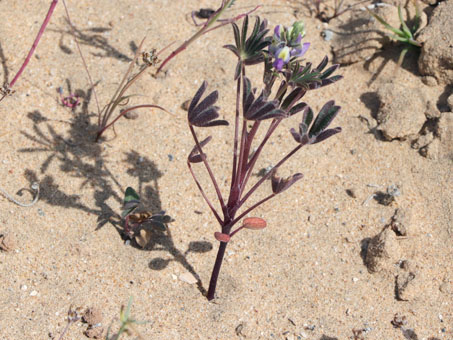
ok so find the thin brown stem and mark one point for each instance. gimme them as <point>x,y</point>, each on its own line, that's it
<point>82,57</point>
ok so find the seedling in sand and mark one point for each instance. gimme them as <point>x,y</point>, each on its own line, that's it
<point>134,220</point>
<point>281,56</point>
<point>127,324</point>
<point>404,33</point>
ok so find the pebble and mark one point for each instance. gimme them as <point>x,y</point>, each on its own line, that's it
<point>131,115</point>
<point>33,293</point>
<point>327,35</point>
<point>355,279</point>
<point>188,278</point>
<point>92,316</point>
<point>24,287</point>
<point>7,242</point>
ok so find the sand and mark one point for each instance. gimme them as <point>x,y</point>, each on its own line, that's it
<point>303,277</point>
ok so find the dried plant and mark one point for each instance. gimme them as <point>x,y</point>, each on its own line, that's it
<point>281,55</point>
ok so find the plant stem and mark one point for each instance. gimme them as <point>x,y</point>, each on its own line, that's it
<point>101,131</point>
<point>35,43</point>
<point>284,159</point>
<point>208,168</point>
<point>90,80</point>
<point>204,194</point>
<point>216,270</point>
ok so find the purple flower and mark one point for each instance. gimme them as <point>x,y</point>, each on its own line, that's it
<point>287,44</point>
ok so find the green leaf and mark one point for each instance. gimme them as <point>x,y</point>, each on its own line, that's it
<point>406,30</point>
<point>131,202</point>
<point>130,195</point>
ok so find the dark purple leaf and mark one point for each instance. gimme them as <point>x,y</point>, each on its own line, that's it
<point>194,155</point>
<point>326,134</point>
<point>204,114</point>
<point>324,118</point>
<point>297,108</point>
<point>281,184</point>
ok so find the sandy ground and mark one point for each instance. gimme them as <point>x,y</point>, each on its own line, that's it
<point>302,277</point>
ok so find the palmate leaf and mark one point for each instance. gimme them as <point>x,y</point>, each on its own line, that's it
<point>204,114</point>
<point>259,108</point>
<point>249,50</point>
<point>318,130</point>
<point>194,156</point>
<point>281,184</point>
<point>131,202</point>
<point>308,78</point>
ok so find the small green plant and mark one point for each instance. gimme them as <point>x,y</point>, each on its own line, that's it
<point>407,35</point>
<point>133,220</point>
<point>127,324</point>
<point>280,54</point>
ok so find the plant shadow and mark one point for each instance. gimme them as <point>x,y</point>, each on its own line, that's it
<point>91,37</point>
<point>4,66</point>
<point>80,158</point>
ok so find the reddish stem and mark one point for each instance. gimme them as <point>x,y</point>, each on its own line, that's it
<point>35,43</point>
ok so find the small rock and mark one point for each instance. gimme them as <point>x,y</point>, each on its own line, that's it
<point>444,128</point>
<point>405,288</point>
<point>431,150</point>
<point>33,293</point>
<point>423,140</point>
<point>436,58</point>
<point>450,102</point>
<point>24,287</point>
<point>92,316</point>
<point>402,111</point>
<point>399,321</point>
<point>351,193</point>
<point>399,222</point>
<point>327,35</point>
<point>383,251</point>
<point>7,242</point>
<point>188,278</point>
<point>446,287</point>
<point>94,332</point>
<point>131,115</point>
<point>429,81</point>
<point>186,104</point>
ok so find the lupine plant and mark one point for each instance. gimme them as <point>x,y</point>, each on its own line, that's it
<point>281,56</point>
